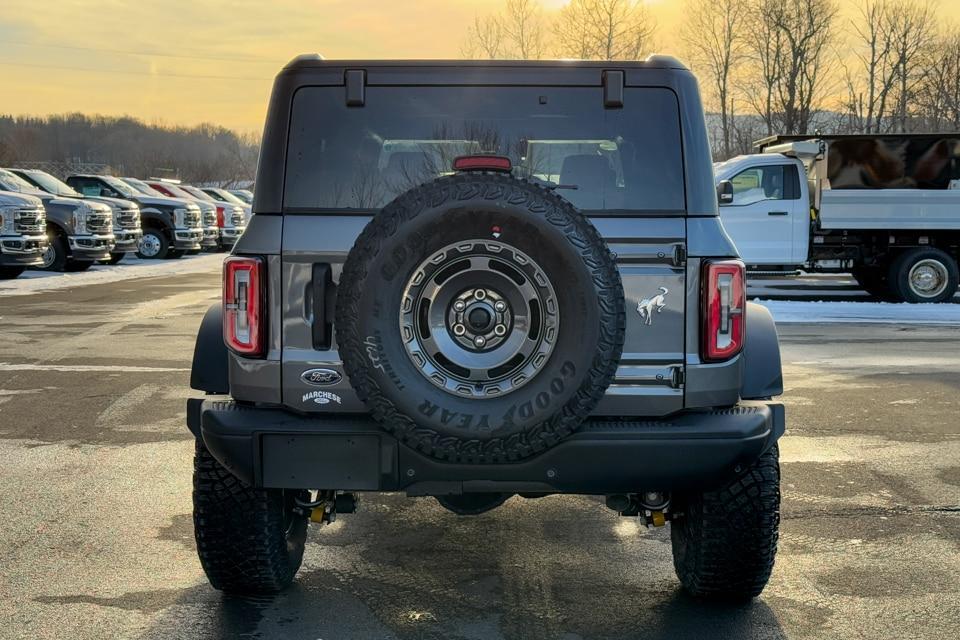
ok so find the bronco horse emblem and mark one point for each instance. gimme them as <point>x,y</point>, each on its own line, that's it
<point>647,306</point>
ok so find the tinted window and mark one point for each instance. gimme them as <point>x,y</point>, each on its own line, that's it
<point>343,157</point>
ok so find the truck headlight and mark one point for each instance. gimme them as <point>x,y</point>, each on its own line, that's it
<point>179,216</point>
<point>80,214</point>
<point>7,222</point>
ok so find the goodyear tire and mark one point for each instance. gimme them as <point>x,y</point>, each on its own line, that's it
<point>480,318</point>
<point>725,540</point>
<point>248,540</point>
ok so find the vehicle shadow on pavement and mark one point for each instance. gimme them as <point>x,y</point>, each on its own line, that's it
<point>554,568</point>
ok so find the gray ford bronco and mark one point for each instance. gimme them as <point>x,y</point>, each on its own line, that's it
<point>474,281</point>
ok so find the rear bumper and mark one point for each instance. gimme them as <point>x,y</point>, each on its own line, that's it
<point>690,450</point>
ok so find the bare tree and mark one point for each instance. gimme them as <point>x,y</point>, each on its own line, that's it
<point>712,34</point>
<point>788,43</point>
<point>911,27</point>
<point>484,38</point>
<point>523,29</point>
<point>604,29</point>
<point>937,101</point>
<point>515,32</point>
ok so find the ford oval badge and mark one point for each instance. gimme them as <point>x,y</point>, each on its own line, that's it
<point>321,377</point>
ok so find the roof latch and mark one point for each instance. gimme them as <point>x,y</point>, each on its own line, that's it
<point>356,82</point>
<point>612,89</point>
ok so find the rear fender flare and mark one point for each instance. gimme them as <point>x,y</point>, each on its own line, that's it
<point>762,372</point>
<point>209,372</point>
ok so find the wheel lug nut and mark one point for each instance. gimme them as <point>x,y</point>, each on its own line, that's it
<point>500,305</point>
<point>479,294</point>
<point>479,341</point>
<point>500,330</point>
<point>459,305</point>
<point>459,329</point>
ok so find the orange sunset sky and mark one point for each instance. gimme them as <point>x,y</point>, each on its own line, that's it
<point>191,61</point>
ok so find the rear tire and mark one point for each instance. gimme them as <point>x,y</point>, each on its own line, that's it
<point>153,245</point>
<point>725,541</point>
<point>9,273</point>
<point>924,275</point>
<point>249,540</point>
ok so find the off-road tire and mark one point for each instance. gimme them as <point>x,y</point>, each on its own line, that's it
<point>248,539</point>
<point>9,273</point>
<point>405,233</point>
<point>899,274</point>
<point>725,541</point>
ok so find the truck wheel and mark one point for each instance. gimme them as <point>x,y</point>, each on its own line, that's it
<point>153,245</point>
<point>924,275</point>
<point>249,540</point>
<point>115,258</point>
<point>56,254</point>
<point>9,273</point>
<point>480,318</point>
<point>874,281</point>
<point>725,541</point>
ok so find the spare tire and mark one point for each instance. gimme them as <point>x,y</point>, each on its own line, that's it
<point>480,317</point>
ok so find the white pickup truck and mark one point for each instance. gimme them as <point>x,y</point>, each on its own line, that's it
<point>885,208</point>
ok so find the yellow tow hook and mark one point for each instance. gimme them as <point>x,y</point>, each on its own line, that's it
<point>322,513</point>
<point>657,518</point>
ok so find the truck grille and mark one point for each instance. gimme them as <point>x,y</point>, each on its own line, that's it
<point>128,219</point>
<point>99,222</point>
<point>30,221</point>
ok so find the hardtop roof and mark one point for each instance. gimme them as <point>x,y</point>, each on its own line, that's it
<point>657,61</point>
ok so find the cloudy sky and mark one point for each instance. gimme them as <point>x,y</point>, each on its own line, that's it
<point>191,61</point>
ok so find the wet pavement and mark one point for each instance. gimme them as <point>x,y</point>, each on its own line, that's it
<point>96,536</point>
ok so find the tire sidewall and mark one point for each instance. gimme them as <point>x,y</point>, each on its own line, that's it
<point>524,420</point>
<point>900,274</point>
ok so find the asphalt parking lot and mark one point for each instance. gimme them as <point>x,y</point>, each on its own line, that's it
<point>96,537</point>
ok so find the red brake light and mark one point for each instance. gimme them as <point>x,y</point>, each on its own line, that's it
<point>220,217</point>
<point>724,307</point>
<point>243,299</point>
<point>482,163</point>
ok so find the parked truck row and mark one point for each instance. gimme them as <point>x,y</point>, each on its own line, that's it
<point>69,225</point>
<point>885,208</point>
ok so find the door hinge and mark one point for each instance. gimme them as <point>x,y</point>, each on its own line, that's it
<point>677,376</point>
<point>679,255</point>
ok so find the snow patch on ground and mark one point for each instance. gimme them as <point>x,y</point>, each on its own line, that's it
<point>40,281</point>
<point>817,312</point>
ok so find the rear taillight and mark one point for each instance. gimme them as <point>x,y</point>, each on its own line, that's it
<point>723,309</point>
<point>220,214</point>
<point>243,302</point>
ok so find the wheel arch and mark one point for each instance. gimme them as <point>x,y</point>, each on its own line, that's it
<point>762,371</point>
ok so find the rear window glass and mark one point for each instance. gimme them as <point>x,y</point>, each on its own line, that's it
<point>600,159</point>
